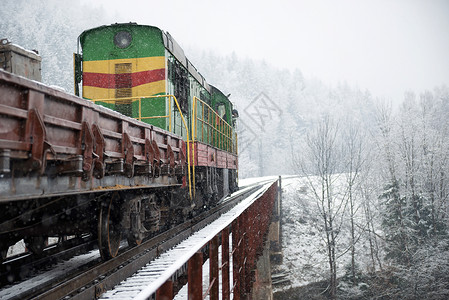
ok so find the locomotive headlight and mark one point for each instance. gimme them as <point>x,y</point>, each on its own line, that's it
<point>122,39</point>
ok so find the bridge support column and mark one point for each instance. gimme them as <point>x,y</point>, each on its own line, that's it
<point>165,292</point>
<point>195,277</point>
<point>262,288</point>
<point>271,253</point>
<point>275,233</point>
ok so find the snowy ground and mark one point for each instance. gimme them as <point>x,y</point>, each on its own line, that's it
<point>304,248</point>
<point>304,251</point>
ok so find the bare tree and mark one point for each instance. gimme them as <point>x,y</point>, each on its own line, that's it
<point>353,158</point>
<point>320,163</point>
<point>369,212</point>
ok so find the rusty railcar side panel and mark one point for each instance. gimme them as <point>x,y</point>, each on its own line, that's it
<point>53,143</point>
<point>205,155</point>
<point>221,159</point>
<point>232,161</point>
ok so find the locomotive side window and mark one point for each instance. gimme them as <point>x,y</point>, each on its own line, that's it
<point>205,97</point>
<point>122,39</point>
<point>180,79</point>
<point>222,111</point>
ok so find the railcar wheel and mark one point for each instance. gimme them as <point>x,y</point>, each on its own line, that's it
<point>36,244</point>
<point>109,228</point>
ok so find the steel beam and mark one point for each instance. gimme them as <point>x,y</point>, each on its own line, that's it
<point>195,277</point>
<point>165,292</point>
<point>213,268</point>
<point>225,263</point>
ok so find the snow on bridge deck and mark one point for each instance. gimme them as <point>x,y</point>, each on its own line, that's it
<point>150,278</point>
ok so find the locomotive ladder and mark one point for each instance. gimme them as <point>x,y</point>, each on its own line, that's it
<point>244,227</point>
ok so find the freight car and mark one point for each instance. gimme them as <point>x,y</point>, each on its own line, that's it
<point>149,144</point>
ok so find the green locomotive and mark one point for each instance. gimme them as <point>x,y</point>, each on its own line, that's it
<point>140,71</point>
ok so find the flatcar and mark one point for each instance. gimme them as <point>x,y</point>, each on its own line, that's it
<point>149,144</point>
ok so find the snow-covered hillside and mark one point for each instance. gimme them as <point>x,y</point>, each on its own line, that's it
<point>303,239</point>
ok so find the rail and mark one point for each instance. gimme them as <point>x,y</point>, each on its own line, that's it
<point>169,116</point>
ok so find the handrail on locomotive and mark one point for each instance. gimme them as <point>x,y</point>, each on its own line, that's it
<point>222,135</point>
<point>140,118</point>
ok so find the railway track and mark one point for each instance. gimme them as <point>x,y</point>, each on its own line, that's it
<point>86,277</point>
<point>22,266</point>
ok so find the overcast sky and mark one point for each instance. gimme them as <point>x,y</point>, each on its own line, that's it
<point>386,46</point>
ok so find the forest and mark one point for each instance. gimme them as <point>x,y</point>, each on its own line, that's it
<point>377,169</point>
<point>377,172</point>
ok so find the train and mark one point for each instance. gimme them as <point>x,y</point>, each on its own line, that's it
<point>144,144</point>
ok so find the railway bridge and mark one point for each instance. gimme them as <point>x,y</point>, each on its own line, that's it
<point>225,253</point>
<point>228,259</point>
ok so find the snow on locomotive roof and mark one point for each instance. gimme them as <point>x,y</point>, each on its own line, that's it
<point>174,48</point>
